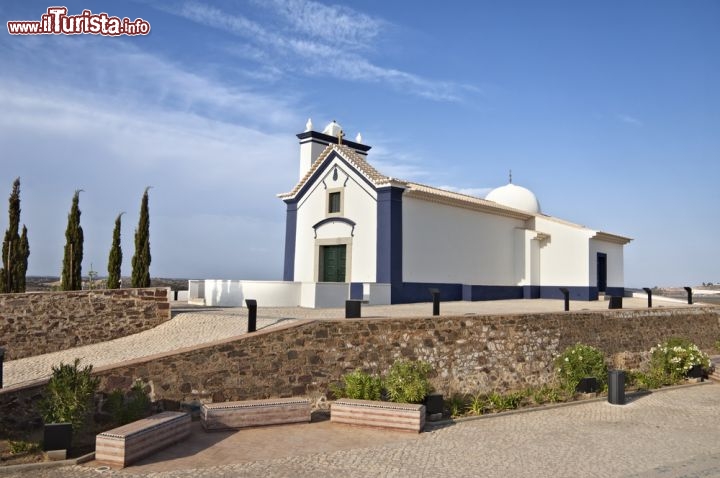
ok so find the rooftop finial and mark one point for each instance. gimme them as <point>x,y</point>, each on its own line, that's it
<point>358,138</point>
<point>511,176</point>
<point>308,125</point>
<point>340,136</point>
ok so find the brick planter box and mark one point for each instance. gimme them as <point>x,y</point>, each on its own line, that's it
<point>253,413</point>
<point>388,415</point>
<point>126,444</point>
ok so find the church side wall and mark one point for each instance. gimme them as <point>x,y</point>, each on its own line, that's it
<point>615,273</point>
<point>564,256</point>
<point>358,205</point>
<point>445,244</point>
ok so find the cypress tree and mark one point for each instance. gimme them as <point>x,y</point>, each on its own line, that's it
<point>11,248</point>
<point>141,259</point>
<point>115,258</point>
<point>24,254</point>
<point>72,259</point>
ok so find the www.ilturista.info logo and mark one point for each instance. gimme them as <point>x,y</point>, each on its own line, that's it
<point>57,22</point>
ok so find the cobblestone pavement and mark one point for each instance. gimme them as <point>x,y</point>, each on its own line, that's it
<point>670,434</point>
<point>184,330</point>
<point>193,326</point>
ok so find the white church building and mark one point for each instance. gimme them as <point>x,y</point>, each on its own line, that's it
<point>354,233</point>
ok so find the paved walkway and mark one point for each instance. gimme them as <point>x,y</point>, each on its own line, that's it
<point>670,434</point>
<point>193,326</point>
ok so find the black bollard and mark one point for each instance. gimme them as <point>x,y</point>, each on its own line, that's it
<point>352,308</point>
<point>566,294</point>
<point>2,357</point>
<point>252,314</point>
<point>648,291</point>
<point>689,291</point>
<point>436,300</point>
<point>616,387</point>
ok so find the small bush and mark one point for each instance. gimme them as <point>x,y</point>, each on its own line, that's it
<point>456,404</point>
<point>407,381</point>
<point>126,408</point>
<point>21,446</point>
<point>675,357</point>
<point>508,401</point>
<point>359,385</point>
<point>546,394</point>
<point>478,404</point>
<point>581,361</point>
<point>69,395</point>
<point>717,346</point>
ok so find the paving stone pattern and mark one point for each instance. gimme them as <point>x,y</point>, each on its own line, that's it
<point>670,434</point>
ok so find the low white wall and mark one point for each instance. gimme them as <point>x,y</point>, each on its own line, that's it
<point>315,295</point>
<point>318,295</point>
<point>232,293</point>
<point>376,294</point>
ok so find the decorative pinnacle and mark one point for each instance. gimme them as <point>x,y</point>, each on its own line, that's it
<point>511,176</point>
<point>358,138</point>
<point>308,125</point>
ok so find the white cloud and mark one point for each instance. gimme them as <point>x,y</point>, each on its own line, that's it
<point>319,40</point>
<point>630,120</point>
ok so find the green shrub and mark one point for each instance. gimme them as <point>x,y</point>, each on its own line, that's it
<point>675,357</point>
<point>126,408</point>
<point>717,345</point>
<point>581,361</point>
<point>546,394</point>
<point>508,401</point>
<point>69,395</point>
<point>21,446</point>
<point>456,404</point>
<point>407,381</point>
<point>359,385</point>
<point>478,404</point>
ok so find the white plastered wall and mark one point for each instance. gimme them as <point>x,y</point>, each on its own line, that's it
<point>615,262</point>
<point>449,244</point>
<point>359,204</point>
<point>527,257</point>
<point>564,255</point>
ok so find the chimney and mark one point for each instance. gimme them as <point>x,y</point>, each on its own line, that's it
<point>313,143</point>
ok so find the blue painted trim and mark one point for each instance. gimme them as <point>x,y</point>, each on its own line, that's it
<point>411,292</point>
<point>576,292</point>
<point>327,220</point>
<point>332,140</point>
<point>321,170</point>
<point>531,292</point>
<point>290,232</point>
<point>356,290</point>
<point>615,291</point>
<point>491,292</point>
<point>389,240</point>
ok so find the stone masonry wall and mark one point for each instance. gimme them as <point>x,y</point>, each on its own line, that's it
<point>468,354</point>
<point>36,323</point>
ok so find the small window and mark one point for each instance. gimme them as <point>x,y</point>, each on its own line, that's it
<point>334,202</point>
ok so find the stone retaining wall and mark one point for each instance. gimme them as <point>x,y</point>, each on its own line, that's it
<point>469,354</point>
<point>36,323</point>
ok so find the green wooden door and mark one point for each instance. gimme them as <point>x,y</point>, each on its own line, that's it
<point>332,266</point>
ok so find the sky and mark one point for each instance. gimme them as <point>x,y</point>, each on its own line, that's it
<point>609,111</point>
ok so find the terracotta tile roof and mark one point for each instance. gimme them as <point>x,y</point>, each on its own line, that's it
<point>430,193</point>
<point>356,160</point>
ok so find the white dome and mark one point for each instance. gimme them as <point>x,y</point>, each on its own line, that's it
<point>333,129</point>
<point>516,197</point>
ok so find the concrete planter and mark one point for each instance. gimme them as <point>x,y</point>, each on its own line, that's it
<point>371,413</point>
